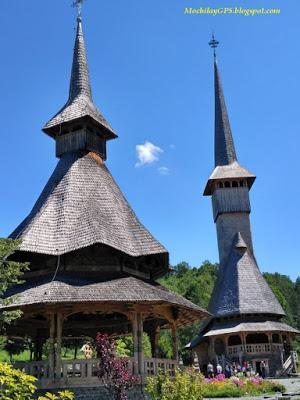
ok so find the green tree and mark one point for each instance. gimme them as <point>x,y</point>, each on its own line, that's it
<point>10,275</point>
<point>195,284</point>
<point>15,347</point>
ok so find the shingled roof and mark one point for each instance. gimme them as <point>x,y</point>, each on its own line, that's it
<point>224,146</point>
<point>226,164</point>
<point>66,290</point>
<point>241,288</point>
<point>82,205</point>
<point>80,103</point>
<point>230,327</point>
<point>228,172</point>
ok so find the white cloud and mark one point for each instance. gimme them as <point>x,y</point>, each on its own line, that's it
<point>163,170</point>
<point>147,153</point>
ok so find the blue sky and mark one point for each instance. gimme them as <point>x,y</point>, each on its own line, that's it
<point>152,77</point>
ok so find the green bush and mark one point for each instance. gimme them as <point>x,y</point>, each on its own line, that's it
<point>16,385</point>
<point>184,386</point>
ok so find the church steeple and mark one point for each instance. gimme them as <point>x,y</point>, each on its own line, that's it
<point>227,172</point>
<point>224,146</point>
<point>80,79</point>
<point>79,125</point>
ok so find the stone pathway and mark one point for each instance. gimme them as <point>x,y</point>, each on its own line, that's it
<point>292,385</point>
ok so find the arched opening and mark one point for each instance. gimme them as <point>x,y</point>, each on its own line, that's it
<point>253,338</point>
<point>221,184</point>
<point>235,184</point>
<point>234,340</point>
<point>275,338</point>
<point>219,347</point>
<point>241,183</point>
<point>227,184</point>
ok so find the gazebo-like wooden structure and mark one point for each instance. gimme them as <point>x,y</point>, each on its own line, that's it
<point>93,265</point>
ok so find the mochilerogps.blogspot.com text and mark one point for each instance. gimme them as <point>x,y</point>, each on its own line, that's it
<point>231,11</point>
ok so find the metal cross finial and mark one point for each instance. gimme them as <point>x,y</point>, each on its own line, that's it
<point>214,44</point>
<point>78,5</point>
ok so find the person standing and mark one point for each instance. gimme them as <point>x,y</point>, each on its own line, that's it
<point>263,369</point>
<point>228,371</point>
<point>210,370</point>
<point>219,369</point>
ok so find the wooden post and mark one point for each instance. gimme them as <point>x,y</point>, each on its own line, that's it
<point>154,339</point>
<point>175,342</point>
<point>135,343</point>
<point>141,366</point>
<point>35,348</point>
<point>51,346</point>
<point>58,361</point>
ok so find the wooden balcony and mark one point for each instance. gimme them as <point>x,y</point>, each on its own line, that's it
<point>76,373</point>
<point>256,348</point>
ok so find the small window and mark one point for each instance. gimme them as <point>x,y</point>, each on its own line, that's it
<point>235,184</point>
<point>227,184</point>
<point>241,183</point>
<point>221,184</point>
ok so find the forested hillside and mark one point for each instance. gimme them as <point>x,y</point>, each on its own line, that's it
<point>196,284</point>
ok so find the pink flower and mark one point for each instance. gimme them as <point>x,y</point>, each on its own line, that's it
<point>238,381</point>
<point>220,377</point>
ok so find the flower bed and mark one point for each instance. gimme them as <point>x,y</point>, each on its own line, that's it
<point>237,386</point>
<point>190,385</point>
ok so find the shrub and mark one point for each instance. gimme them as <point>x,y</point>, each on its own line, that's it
<point>65,395</point>
<point>16,385</point>
<point>112,370</point>
<point>184,386</point>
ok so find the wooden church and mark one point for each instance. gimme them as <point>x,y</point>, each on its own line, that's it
<point>247,318</point>
<point>93,265</point>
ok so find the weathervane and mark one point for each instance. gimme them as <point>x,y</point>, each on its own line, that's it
<point>214,44</point>
<point>78,5</point>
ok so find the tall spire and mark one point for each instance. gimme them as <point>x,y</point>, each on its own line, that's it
<point>224,146</point>
<point>80,79</point>
<point>226,164</point>
<point>80,109</point>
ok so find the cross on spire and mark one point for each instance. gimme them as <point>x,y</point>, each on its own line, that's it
<point>214,44</point>
<point>78,5</point>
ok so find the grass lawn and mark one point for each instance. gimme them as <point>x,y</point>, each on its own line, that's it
<point>25,356</point>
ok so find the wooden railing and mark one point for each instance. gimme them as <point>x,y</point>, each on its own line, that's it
<point>235,350</point>
<point>256,348</point>
<point>39,369</point>
<point>85,371</point>
<point>153,365</point>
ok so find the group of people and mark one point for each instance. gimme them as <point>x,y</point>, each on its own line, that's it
<point>234,369</point>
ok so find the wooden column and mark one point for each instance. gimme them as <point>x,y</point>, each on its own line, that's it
<point>175,342</point>
<point>135,343</point>
<point>58,363</point>
<point>51,346</point>
<point>140,332</point>
<point>38,346</point>
<point>154,339</point>
<point>243,338</point>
